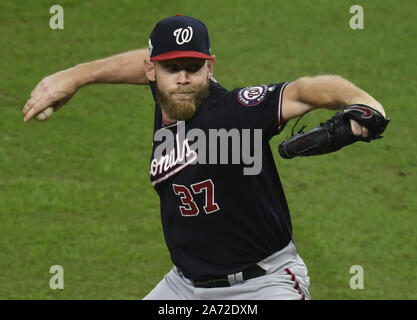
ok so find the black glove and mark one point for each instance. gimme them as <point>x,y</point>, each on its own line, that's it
<point>335,133</point>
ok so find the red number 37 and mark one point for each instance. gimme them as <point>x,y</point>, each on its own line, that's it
<point>189,207</point>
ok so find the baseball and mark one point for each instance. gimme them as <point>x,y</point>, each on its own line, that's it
<point>45,114</point>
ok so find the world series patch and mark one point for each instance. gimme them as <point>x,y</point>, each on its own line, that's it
<point>252,96</point>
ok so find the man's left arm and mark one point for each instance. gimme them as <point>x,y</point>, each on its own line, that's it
<point>325,91</point>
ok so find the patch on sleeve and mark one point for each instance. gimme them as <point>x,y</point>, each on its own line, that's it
<point>252,96</point>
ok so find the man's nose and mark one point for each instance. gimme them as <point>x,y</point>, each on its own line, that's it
<point>183,77</point>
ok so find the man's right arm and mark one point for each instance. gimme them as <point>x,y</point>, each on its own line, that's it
<point>58,88</point>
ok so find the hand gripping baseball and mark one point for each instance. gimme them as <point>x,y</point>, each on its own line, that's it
<point>335,133</point>
<point>49,95</point>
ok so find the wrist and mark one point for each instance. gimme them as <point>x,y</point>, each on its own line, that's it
<point>81,75</point>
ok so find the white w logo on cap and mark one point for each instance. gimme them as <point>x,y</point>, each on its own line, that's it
<point>183,35</point>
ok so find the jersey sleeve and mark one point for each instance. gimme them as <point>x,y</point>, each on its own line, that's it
<point>259,107</point>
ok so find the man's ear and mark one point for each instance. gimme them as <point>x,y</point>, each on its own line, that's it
<point>210,66</point>
<point>149,70</point>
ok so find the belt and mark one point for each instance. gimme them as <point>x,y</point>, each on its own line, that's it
<point>231,279</point>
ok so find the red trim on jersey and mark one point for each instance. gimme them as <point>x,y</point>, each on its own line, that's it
<point>282,118</point>
<point>296,284</point>
<point>181,54</point>
<point>166,122</point>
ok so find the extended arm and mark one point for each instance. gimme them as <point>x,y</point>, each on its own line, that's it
<point>326,91</point>
<point>58,88</point>
<point>358,121</point>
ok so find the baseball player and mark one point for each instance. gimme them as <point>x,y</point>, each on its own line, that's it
<point>228,230</point>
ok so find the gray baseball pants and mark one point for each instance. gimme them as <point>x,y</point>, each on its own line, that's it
<point>286,279</point>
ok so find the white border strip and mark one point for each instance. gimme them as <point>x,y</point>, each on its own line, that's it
<point>279,106</point>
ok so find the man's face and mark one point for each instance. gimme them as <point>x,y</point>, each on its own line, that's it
<point>182,86</point>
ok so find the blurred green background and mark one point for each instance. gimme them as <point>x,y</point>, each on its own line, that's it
<point>75,190</point>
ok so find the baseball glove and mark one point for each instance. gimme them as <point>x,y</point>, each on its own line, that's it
<point>335,133</point>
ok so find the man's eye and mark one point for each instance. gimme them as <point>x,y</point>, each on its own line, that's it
<point>172,68</point>
<point>192,68</point>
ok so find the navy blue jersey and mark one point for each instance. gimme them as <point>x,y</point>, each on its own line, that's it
<point>216,218</point>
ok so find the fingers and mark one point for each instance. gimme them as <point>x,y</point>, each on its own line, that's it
<point>30,103</point>
<point>55,89</point>
<point>364,132</point>
<point>40,99</point>
<point>33,107</point>
<point>357,129</point>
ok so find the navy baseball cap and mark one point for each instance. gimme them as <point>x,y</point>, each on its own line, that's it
<point>179,37</point>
